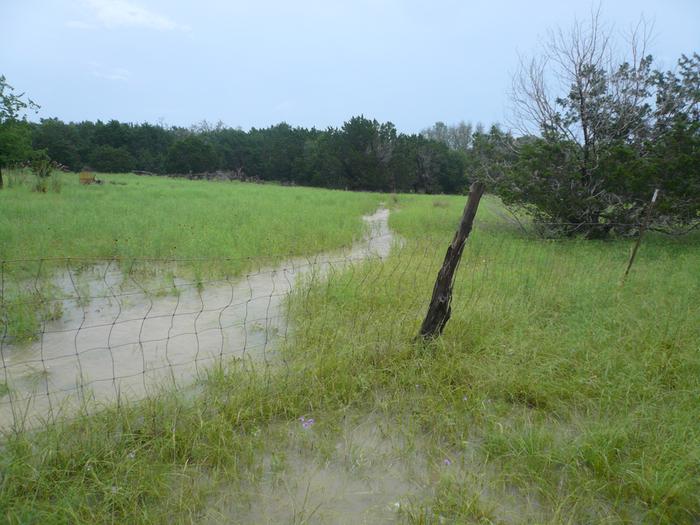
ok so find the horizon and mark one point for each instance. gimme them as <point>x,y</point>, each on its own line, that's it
<point>313,65</point>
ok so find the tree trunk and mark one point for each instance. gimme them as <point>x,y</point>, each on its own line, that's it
<point>1,183</point>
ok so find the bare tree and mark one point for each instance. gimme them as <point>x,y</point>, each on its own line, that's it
<point>581,92</point>
<point>458,137</point>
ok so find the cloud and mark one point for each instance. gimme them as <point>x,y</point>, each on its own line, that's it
<point>121,13</point>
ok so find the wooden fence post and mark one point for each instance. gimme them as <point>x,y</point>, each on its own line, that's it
<point>440,310</point>
<point>642,227</point>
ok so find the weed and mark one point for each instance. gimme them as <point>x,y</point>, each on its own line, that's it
<point>40,184</point>
<point>180,219</point>
<point>55,182</point>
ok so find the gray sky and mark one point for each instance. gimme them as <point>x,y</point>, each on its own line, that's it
<point>309,62</point>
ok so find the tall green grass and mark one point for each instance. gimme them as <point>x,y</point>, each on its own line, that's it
<point>555,395</point>
<point>215,227</point>
<point>135,217</point>
<point>584,391</point>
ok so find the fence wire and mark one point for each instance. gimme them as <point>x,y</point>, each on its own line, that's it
<point>79,331</point>
<point>100,331</point>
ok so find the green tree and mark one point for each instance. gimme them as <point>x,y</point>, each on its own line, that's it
<point>15,141</point>
<point>366,148</point>
<point>321,163</point>
<point>425,165</point>
<point>60,141</point>
<point>278,148</point>
<point>191,155</point>
<point>110,159</point>
<point>601,134</point>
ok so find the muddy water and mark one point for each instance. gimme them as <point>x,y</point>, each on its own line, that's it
<point>369,476</point>
<point>130,339</point>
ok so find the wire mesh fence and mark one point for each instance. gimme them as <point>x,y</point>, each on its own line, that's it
<point>79,330</point>
<point>104,330</point>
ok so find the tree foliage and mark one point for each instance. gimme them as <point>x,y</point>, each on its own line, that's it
<point>15,136</point>
<point>13,105</point>
<point>600,133</point>
<point>109,159</point>
<point>190,155</point>
<point>363,154</point>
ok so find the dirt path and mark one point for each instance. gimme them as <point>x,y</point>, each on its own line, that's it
<point>128,341</point>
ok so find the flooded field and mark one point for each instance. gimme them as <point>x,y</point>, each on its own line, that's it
<point>119,337</point>
<point>372,474</point>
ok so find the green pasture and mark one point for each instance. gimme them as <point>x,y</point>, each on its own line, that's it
<point>555,395</point>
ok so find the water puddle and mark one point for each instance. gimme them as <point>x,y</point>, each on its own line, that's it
<point>374,469</point>
<point>130,339</point>
<point>370,475</point>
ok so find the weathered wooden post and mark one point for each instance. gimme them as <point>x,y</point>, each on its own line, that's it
<point>642,228</point>
<point>440,305</point>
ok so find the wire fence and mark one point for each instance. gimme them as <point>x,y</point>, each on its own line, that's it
<point>90,330</point>
<point>78,331</point>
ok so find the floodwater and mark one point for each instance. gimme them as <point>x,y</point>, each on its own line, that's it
<point>370,476</point>
<point>128,340</point>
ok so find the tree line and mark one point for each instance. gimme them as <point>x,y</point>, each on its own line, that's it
<point>594,133</point>
<point>362,154</point>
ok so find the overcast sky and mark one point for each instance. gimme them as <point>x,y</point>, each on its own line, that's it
<point>306,62</point>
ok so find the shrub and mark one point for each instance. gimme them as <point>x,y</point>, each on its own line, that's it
<point>41,169</point>
<point>55,183</point>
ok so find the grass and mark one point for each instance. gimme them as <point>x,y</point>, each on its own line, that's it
<point>555,395</point>
<point>584,391</point>
<point>155,217</point>
<point>216,227</point>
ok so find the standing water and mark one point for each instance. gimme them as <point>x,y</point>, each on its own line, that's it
<point>128,341</point>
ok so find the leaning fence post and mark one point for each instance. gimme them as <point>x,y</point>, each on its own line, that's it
<point>440,305</point>
<point>642,227</point>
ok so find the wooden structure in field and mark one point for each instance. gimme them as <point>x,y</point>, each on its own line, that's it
<point>87,177</point>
